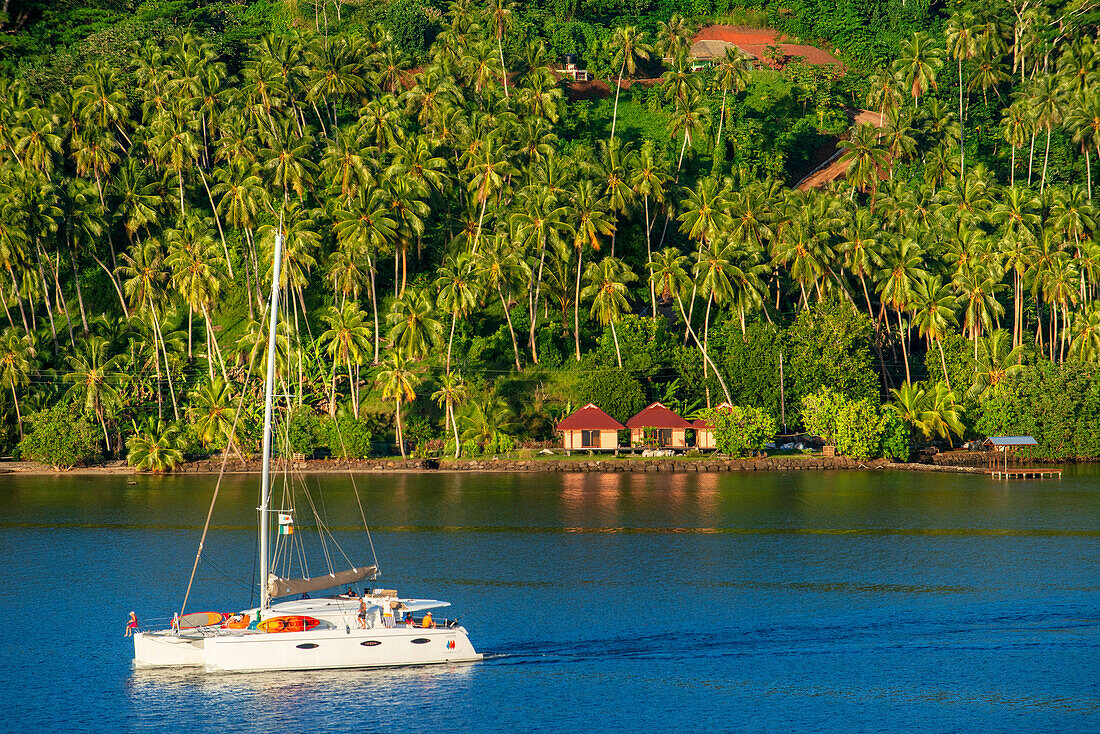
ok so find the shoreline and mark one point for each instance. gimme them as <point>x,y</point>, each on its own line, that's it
<point>972,464</point>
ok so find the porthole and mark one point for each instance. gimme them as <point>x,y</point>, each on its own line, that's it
<point>370,643</point>
<point>420,641</point>
<point>306,646</point>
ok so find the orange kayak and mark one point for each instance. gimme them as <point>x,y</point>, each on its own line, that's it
<point>200,619</point>
<point>288,624</point>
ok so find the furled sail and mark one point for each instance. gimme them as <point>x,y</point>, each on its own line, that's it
<point>277,586</point>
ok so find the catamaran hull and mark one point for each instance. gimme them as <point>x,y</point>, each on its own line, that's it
<point>372,648</point>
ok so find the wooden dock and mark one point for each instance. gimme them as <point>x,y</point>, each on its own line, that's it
<point>1024,473</point>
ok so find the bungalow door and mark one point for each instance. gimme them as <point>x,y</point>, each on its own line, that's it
<point>664,437</point>
<point>590,439</point>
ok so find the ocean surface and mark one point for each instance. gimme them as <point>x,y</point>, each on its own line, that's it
<point>824,601</point>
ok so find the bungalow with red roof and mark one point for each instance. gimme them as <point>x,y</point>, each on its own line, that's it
<point>704,431</point>
<point>670,429</point>
<point>590,428</point>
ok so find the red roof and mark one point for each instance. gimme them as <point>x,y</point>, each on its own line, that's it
<point>589,418</point>
<point>702,422</point>
<point>657,416</point>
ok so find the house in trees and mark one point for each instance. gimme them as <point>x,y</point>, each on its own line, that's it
<point>659,427</point>
<point>705,439</point>
<point>590,429</point>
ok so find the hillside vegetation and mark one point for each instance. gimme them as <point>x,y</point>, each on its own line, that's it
<point>469,255</point>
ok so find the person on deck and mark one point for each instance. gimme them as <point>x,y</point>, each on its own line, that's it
<point>131,625</point>
<point>427,623</point>
<point>362,613</point>
<point>409,621</point>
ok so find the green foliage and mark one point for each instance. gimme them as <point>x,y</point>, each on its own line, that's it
<point>616,392</point>
<point>859,429</point>
<point>156,447</point>
<point>348,437</point>
<point>61,437</point>
<point>750,363</point>
<point>741,430</point>
<point>830,345</point>
<point>303,431</point>
<point>821,411</point>
<point>1059,405</point>
<point>894,442</point>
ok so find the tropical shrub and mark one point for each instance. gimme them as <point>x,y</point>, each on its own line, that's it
<point>859,428</point>
<point>820,411</point>
<point>617,392</point>
<point>61,437</point>
<point>741,430</point>
<point>894,441</point>
<point>830,345</point>
<point>155,447</point>
<point>348,437</point>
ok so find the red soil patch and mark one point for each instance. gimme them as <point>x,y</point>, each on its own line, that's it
<point>757,40</point>
<point>829,167</point>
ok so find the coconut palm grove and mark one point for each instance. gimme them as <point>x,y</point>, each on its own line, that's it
<point>476,245</point>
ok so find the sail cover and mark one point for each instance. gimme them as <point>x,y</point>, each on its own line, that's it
<point>277,586</point>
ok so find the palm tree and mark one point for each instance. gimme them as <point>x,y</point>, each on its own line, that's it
<point>962,44</point>
<point>414,330</point>
<point>649,179</point>
<point>902,269</point>
<point>197,277</point>
<point>1085,335</point>
<point>16,363</point>
<point>398,382</point>
<point>918,63</point>
<point>606,287</point>
<point>592,220</point>
<point>1045,97</point>
<point>500,269</point>
<point>629,46</point>
<point>212,413</point>
<point>96,378</point>
<point>674,37</point>
<point>459,291</point>
<point>499,14</point>
<point>540,224</point>
<point>154,447</point>
<point>997,363</point>
<point>933,312</point>
<point>864,157</point>
<point>452,391</point>
<point>347,341</point>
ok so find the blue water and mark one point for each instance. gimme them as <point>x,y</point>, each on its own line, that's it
<point>724,602</point>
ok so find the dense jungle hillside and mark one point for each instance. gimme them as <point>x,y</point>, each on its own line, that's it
<point>476,244</point>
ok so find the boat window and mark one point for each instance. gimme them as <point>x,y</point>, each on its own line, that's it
<point>420,641</point>
<point>306,646</point>
<point>370,643</point>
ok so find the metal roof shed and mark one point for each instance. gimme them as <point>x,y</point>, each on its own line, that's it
<point>1004,443</point>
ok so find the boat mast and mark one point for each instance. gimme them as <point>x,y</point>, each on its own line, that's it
<point>269,390</point>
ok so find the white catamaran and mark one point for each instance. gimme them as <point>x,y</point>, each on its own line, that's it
<point>376,629</point>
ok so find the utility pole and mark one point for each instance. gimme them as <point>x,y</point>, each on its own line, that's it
<point>782,396</point>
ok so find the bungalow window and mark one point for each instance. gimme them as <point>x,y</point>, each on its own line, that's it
<point>664,437</point>
<point>590,439</point>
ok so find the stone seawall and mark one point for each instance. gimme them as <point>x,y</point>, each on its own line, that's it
<point>588,464</point>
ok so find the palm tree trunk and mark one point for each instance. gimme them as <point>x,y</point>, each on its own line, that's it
<point>76,279</point>
<point>1031,158</point>
<point>61,302</point>
<point>706,356</point>
<point>962,127</point>
<point>943,362</point>
<point>167,367</point>
<point>508,317</point>
<point>618,88</point>
<point>577,304</point>
<point>904,350</point>
<point>217,219</point>
<point>534,315</point>
<point>454,427</point>
<point>213,339</point>
<point>400,433</point>
<point>45,293</point>
<point>503,68</point>
<point>1046,160</point>
<point>18,416</point>
<point>649,259</point>
<point>615,338</point>
<point>19,300</point>
<point>451,338</point>
<point>374,303</point>
<point>480,217</point>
